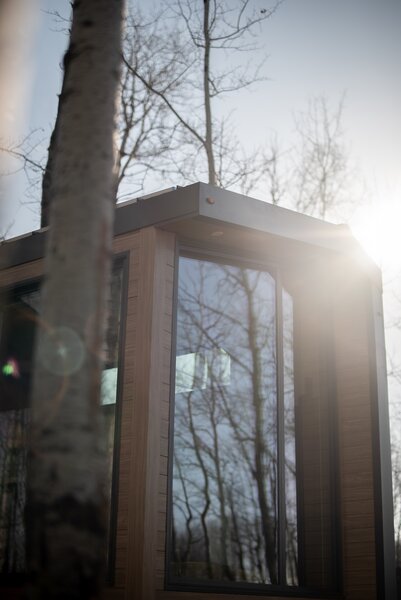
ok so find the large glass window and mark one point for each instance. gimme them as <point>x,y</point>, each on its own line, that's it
<point>18,323</point>
<point>239,509</point>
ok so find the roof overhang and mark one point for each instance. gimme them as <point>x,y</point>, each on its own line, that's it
<point>201,210</point>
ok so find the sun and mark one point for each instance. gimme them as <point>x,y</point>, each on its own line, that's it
<point>378,229</point>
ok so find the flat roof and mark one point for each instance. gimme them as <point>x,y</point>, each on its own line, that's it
<point>203,202</point>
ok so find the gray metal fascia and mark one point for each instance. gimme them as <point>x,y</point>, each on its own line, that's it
<point>236,209</point>
<point>18,251</point>
<point>230,207</point>
<point>212,203</point>
<point>178,204</point>
<point>182,203</point>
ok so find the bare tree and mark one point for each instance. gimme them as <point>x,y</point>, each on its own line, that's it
<point>167,122</point>
<point>203,31</point>
<point>313,175</point>
<point>67,504</point>
<point>321,174</point>
<point>145,126</point>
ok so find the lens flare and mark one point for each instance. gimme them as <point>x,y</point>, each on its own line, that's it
<point>61,351</point>
<point>11,369</point>
<point>378,229</point>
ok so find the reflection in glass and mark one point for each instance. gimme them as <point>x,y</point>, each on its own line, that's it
<point>253,489</point>
<point>225,441</point>
<point>18,323</point>
<point>291,528</point>
<point>108,390</point>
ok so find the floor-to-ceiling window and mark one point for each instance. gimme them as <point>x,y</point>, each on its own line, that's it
<point>242,509</point>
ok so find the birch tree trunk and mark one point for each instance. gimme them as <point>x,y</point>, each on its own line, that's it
<point>67,505</point>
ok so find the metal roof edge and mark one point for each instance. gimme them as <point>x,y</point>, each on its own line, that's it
<point>180,203</point>
<point>244,211</point>
<point>23,249</point>
<point>157,209</point>
<point>213,203</point>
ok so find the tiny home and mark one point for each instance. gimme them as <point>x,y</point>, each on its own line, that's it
<point>245,401</point>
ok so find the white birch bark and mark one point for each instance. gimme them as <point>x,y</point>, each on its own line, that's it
<point>67,505</point>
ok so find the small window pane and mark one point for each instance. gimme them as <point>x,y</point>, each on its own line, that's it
<point>290,467</point>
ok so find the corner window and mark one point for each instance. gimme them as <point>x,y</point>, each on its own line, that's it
<point>18,324</point>
<point>251,495</point>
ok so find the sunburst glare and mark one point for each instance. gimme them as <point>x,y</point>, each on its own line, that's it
<point>377,227</point>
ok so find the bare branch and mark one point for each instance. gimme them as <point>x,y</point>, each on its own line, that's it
<point>166,101</point>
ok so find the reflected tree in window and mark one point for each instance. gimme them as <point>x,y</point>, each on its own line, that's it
<point>225,474</point>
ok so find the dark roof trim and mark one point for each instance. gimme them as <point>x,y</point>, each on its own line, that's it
<point>204,201</point>
<point>181,203</point>
<point>237,209</point>
<point>20,250</point>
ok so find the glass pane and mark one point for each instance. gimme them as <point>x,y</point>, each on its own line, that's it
<point>108,391</point>
<point>16,347</point>
<point>225,429</point>
<point>12,489</point>
<point>18,325</point>
<point>290,470</point>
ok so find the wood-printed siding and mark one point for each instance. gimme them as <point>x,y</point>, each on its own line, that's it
<point>21,273</point>
<point>317,560</point>
<point>354,397</point>
<point>143,457</point>
<point>143,490</point>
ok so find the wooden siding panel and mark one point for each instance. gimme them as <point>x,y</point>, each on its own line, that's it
<point>150,296</point>
<point>351,313</point>
<point>127,243</point>
<point>21,273</point>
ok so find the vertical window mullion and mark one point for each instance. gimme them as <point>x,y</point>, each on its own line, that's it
<point>281,506</point>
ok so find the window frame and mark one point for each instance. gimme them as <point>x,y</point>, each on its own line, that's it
<point>120,260</point>
<point>181,584</point>
<point>10,293</point>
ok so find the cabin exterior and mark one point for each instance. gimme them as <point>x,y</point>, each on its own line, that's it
<point>245,402</point>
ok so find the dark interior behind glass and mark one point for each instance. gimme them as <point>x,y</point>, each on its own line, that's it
<point>18,323</point>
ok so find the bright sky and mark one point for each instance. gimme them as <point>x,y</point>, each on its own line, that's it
<point>314,47</point>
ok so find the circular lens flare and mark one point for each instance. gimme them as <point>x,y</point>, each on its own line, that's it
<point>11,369</point>
<point>61,351</point>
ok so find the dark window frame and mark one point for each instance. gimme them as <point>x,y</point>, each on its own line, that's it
<point>254,261</point>
<point>119,260</point>
<point>10,293</point>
